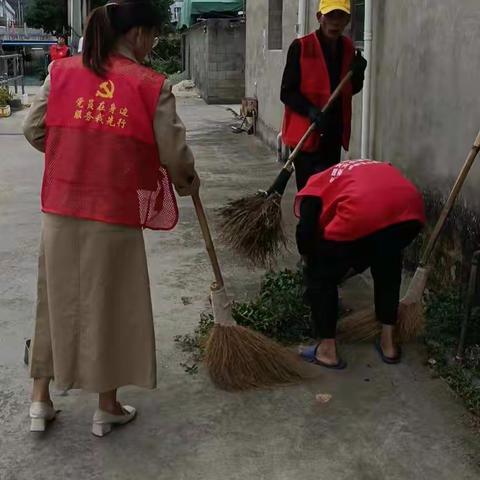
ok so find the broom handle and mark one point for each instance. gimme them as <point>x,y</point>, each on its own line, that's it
<point>202,220</point>
<point>333,97</point>
<point>451,200</point>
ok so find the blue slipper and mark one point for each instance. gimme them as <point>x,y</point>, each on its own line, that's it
<point>310,355</point>
<point>385,359</point>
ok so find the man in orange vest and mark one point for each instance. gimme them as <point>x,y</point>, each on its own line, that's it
<point>60,50</point>
<point>315,66</point>
<point>355,215</point>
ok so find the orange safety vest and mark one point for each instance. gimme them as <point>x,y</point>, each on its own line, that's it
<point>315,86</point>
<point>102,161</point>
<point>361,197</point>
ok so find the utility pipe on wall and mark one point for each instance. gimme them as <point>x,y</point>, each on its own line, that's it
<point>302,18</point>
<point>368,37</point>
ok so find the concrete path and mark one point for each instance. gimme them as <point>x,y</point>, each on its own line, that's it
<point>383,422</point>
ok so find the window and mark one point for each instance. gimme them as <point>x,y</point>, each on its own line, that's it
<point>177,11</point>
<point>275,24</point>
<point>358,21</point>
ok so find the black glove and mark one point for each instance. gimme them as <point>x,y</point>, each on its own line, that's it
<point>359,64</point>
<point>318,118</point>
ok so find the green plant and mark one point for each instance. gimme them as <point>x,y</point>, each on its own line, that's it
<point>5,96</point>
<point>193,344</point>
<point>444,313</point>
<point>279,311</point>
<point>166,58</point>
<point>168,66</point>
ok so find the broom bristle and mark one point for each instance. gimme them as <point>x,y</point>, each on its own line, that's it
<point>238,358</point>
<point>360,326</point>
<point>411,321</point>
<point>253,227</point>
<point>363,326</point>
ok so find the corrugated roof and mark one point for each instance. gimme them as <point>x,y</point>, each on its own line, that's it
<point>194,8</point>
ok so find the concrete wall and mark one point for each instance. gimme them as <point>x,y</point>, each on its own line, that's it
<point>215,59</point>
<point>426,87</point>
<point>427,111</point>
<point>196,54</point>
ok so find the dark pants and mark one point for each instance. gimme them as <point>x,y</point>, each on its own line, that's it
<point>382,252</point>
<point>308,164</point>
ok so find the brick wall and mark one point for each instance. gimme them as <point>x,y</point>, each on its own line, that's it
<point>215,59</point>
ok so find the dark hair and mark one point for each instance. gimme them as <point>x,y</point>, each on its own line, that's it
<point>108,23</point>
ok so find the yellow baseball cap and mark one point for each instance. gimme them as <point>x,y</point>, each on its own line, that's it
<point>327,6</point>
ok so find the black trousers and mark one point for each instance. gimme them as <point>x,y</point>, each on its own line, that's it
<point>308,164</point>
<point>331,262</point>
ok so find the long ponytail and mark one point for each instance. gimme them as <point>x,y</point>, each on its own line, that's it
<point>99,40</point>
<point>108,23</point>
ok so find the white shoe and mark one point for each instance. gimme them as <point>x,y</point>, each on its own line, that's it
<point>104,421</point>
<point>40,414</point>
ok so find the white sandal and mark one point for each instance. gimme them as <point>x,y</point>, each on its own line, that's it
<point>40,414</point>
<point>104,421</point>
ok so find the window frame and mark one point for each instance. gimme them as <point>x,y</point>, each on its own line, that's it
<point>275,44</point>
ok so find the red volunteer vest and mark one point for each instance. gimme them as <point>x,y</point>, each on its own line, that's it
<point>57,52</point>
<point>361,197</point>
<point>102,161</point>
<point>315,86</point>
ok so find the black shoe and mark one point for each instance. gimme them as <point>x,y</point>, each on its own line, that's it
<point>385,359</point>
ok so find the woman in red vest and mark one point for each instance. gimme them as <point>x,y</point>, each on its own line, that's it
<point>113,147</point>
<point>355,215</point>
<point>60,50</point>
<point>315,66</point>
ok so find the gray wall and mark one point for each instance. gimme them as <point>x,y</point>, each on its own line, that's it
<point>215,59</point>
<point>427,87</point>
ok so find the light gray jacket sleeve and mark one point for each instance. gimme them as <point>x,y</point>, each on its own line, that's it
<point>34,127</point>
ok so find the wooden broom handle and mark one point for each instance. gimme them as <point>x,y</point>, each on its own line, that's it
<point>451,200</point>
<point>202,220</point>
<point>333,97</point>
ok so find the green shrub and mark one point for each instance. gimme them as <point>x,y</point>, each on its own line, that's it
<point>279,311</point>
<point>444,315</point>
<point>167,56</point>
<point>5,96</point>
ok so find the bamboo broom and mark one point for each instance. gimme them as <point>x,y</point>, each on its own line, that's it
<point>252,226</point>
<point>236,357</point>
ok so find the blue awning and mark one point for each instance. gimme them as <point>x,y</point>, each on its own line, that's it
<point>27,43</point>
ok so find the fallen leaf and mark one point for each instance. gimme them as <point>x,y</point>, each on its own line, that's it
<point>323,397</point>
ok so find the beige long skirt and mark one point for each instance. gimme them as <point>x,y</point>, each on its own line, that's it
<point>94,322</point>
